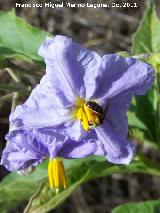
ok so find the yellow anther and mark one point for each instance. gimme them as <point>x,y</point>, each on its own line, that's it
<point>56,174</point>
<point>62,175</point>
<point>50,174</point>
<point>85,123</point>
<point>88,113</point>
<point>80,114</point>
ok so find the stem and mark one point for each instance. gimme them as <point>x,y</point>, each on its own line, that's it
<point>34,196</point>
<point>10,95</point>
<point>14,104</point>
<point>6,97</point>
<point>8,88</point>
<point>23,71</point>
<point>13,75</point>
<point>14,101</point>
<point>158,107</point>
<point>158,120</point>
<point>143,56</point>
<point>157,96</point>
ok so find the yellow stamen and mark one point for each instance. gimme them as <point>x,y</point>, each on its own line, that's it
<point>79,104</point>
<point>56,174</point>
<point>85,115</point>
<point>85,123</point>
<point>62,175</point>
<point>80,114</point>
<point>50,174</point>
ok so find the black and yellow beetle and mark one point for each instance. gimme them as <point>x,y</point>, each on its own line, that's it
<point>91,114</point>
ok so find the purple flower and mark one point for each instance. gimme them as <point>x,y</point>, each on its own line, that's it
<point>31,147</point>
<point>57,120</point>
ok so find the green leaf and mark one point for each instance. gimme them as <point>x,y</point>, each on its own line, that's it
<point>3,62</point>
<point>146,112</point>
<point>124,54</point>
<point>15,188</point>
<point>79,171</point>
<point>12,194</point>
<point>147,207</point>
<point>134,121</point>
<point>140,131</point>
<point>146,38</point>
<point>38,174</point>
<point>18,38</point>
<point>154,60</point>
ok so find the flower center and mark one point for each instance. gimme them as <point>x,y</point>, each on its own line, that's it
<point>89,113</point>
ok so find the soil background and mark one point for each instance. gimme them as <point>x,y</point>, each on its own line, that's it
<point>106,31</point>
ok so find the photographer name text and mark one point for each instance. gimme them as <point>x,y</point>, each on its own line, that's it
<point>78,5</point>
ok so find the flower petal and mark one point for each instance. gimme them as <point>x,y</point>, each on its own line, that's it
<point>73,149</point>
<point>22,150</point>
<point>118,75</point>
<point>116,114</point>
<point>28,148</point>
<point>72,129</point>
<point>51,139</point>
<point>116,149</point>
<point>63,146</point>
<point>71,65</point>
<point>46,106</point>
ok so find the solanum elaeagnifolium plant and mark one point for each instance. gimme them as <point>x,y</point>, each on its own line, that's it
<point>73,112</point>
<point>77,110</point>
